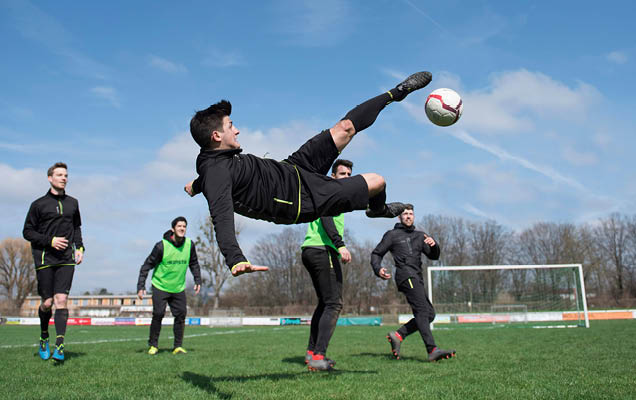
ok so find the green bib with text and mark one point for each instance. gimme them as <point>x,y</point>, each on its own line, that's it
<point>169,275</point>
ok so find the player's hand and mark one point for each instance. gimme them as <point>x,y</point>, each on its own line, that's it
<point>197,289</point>
<point>141,294</point>
<point>59,243</point>
<point>247,268</point>
<point>429,240</point>
<point>384,274</point>
<point>344,253</point>
<point>79,256</point>
<point>188,188</point>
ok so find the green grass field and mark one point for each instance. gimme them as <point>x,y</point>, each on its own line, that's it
<point>268,362</point>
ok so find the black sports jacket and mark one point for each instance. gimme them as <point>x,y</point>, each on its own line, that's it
<point>250,186</point>
<point>53,216</point>
<point>406,245</point>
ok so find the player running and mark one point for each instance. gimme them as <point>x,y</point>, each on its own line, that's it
<point>170,258</point>
<point>292,191</point>
<point>407,245</point>
<point>53,228</point>
<point>322,250</point>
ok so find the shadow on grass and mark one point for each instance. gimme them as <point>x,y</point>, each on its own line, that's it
<point>206,383</point>
<point>68,356</point>
<point>164,351</point>
<point>294,360</point>
<point>386,356</point>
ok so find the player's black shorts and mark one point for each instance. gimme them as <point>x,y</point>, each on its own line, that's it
<point>55,279</point>
<point>322,195</point>
<point>317,154</point>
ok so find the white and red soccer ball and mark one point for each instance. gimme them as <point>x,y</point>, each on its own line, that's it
<point>444,107</point>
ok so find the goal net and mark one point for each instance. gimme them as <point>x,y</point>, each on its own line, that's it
<point>510,295</point>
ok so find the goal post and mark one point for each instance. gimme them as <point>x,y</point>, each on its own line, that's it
<point>550,295</point>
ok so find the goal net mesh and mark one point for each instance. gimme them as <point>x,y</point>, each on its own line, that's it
<point>544,295</point>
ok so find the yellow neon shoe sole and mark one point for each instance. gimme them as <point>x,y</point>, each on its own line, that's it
<point>153,350</point>
<point>179,350</point>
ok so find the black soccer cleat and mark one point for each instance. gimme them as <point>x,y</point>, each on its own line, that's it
<point>396,342</point>
<point>439,354</point>
<point>414,82</point>
<point>324,364</point>
<point>390,210</point>
<point>308,357</point>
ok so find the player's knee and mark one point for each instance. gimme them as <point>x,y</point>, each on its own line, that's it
<point>157,315</point>
<point>343,129</point>
<point>335,305</point>
<point>347,126</point>
<point>60,300</point>
<point>375,182</point>
<point>47,304</point>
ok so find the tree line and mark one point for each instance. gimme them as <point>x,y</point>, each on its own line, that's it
<point>606,248</point>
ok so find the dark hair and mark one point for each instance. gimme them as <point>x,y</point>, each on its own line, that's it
<point>339,162</point>
<point>204,122</point>
<point>58,164</point>
<point>408,206</point>
<point>179,219</point>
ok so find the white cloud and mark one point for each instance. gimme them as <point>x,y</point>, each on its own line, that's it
<point>166,65</point>
<point>471,209</point>
<point>617,57</point>
<point>514,100</point>
<point>21,185</point>
<point>107,93</point>
<point>497,186</point>
<point>603,139</point>
<point>175,159</point>
<point>419,10</point>
<point>38,26</point>
<point>579,158</point>
<point>223,59</point>
<point>315,23</point>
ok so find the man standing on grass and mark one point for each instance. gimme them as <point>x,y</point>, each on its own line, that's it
<point>52,226</point>
<point>170,258</point>
<point>322,249</point>
<point>407,245</point>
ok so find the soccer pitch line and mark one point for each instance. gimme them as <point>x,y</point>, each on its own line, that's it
<point>14,346</point>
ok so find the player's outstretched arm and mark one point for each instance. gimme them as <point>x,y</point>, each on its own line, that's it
<point>246,268</point>
<point>193,188</point>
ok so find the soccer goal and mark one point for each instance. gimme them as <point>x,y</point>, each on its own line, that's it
<point>541,296</point>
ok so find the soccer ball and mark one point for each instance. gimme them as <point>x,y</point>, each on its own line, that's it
<point>444,107</point>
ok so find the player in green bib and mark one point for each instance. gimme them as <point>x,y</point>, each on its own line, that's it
<point>170,258</point>
<point>322,250</point>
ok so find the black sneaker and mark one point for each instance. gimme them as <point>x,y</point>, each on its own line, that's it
<point>414,82</point>
<point>396,342</point>
<point>323,364</point>
<point>390,210</point>
<point>439,354</point>
<point>308,357</point>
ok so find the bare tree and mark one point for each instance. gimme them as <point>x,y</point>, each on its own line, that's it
<point>211,260</point>
<point>17,274</point>
<point>287,282</point>
<point>361,288</point>
<point>612,241</point>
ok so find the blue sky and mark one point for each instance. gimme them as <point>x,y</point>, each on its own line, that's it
<point>547,134</point>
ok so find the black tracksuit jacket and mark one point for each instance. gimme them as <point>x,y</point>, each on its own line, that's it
<point>406,245</point>
<point>250,186</point>
<point>156,255</point>
<point>53,215</point>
